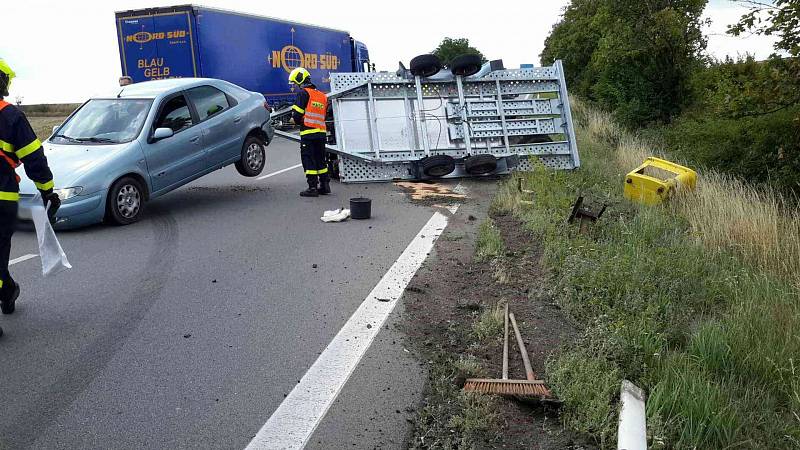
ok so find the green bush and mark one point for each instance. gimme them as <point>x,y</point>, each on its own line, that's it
<point>761,149</point>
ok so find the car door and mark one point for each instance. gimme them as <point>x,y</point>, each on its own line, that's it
<point>180,156</point>
<point>222,128</point>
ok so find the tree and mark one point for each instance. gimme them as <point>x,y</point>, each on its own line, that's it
<point>779,86</point>
<point>450,48</point>
<point>574,40</point>
<point>633,57</point>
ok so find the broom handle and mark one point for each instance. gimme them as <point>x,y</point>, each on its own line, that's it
<point>505,347</point>
<point>528,369</point>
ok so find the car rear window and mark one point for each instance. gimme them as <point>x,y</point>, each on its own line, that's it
<point>208,101</point>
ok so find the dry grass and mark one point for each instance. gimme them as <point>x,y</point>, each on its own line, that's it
<point>725,213</point>
<point>50,110</point>
<point>43,125</point>
<point>758,224</point>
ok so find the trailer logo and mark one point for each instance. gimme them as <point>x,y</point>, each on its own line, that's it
<point>143,37</point>
<point>291,57</point>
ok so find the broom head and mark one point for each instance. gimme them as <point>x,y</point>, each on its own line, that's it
<point>522,388</point>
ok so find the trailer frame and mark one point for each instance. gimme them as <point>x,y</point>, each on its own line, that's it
<point>519,116</point>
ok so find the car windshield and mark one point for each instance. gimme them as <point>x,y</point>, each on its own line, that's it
<point>105,121</point>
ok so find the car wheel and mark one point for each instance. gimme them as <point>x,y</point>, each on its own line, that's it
<point>253,157</point>
<point>438,165</point>
<point>125,202</point>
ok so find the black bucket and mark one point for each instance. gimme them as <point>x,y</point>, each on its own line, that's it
<point>360,208</point>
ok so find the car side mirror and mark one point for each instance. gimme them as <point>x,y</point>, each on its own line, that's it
<point>55,128</point>
<point>162,133</point>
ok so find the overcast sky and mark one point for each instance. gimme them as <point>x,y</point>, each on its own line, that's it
<point>65,51</point>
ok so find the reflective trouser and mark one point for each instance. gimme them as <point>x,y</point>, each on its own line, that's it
<point>8,221</point>
<point>312,154</point>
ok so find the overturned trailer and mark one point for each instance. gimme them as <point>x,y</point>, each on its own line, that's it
<point>471,120</point>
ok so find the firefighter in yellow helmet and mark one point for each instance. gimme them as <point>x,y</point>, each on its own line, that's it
<point>18,145</point>
<point>309,112</point>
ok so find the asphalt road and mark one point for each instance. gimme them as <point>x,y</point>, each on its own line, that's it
<point>187,329</point>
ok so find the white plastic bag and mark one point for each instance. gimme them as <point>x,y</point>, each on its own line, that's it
<point>54,260</point>
<point>337,215</point>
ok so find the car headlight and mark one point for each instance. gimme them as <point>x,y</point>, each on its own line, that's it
<point>68,193</point>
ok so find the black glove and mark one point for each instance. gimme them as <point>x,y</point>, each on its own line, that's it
<point>54,201</point>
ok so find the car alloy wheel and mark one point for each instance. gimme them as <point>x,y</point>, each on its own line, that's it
<point>255,156</point>
<point>128,201</point>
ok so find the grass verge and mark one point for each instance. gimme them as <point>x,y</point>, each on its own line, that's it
<point>489,244</point>
<point>452,418</point>
<point>695,301</point>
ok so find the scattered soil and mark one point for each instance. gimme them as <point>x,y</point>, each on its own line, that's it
<point>445,297</point>
<point>234,188</point>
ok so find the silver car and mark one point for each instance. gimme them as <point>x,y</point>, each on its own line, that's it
<point>114,154</point>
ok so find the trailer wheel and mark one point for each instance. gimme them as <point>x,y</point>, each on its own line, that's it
<point>437,165</point>
<point>466,65</point>
<point>425,65</point>
<point>480,164</point>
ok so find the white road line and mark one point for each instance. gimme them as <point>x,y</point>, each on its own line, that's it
<point>22,258</point>
<point>279,172</point>
<point>292,424</point>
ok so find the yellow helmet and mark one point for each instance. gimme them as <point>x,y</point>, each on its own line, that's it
<point>299,76</point>
<point>6,75</point>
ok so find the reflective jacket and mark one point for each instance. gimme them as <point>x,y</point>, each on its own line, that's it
<point>20,146</point>
<point>310,107</point>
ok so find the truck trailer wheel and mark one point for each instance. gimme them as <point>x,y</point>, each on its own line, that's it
<point>437,165</point>
<point>466,65</point>
<point>480,164</point>
<point>425,65</point>
<point>253,157</point>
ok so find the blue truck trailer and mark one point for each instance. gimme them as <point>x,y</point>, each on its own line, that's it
<point>254,52</point>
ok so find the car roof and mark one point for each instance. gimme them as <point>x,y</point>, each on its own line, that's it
<point>159,88</point>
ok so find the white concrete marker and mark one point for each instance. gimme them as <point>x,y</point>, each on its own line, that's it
<point>632,431</point>
<point>21,259</point>
<point>279,172</point>
<point>293,423</point>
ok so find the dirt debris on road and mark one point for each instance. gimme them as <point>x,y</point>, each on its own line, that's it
<point>450,308</point>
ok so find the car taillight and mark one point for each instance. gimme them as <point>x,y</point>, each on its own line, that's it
<point>267,107</point>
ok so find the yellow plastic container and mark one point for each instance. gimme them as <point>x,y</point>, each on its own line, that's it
<point>656,179</point>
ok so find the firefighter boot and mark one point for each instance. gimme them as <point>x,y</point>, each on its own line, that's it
<point>324,184</point>
<point>310,192</point>
<point>9,293</point>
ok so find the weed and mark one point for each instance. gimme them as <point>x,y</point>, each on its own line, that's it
<point>490,324</point>
<point>587,386</point>
<point>489,244</point>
